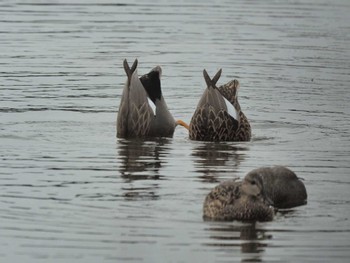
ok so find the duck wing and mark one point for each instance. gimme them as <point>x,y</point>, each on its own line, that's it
<point>123,112</point>
<point>135,115</point>
<point>221,199</point>
<point>141,114</point>
<point>122,117</point>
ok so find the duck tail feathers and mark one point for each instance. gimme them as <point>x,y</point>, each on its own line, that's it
<point>129,71</point>
<point>211,82</point>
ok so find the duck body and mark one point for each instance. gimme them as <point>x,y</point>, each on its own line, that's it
<point>236,200</point>
<point>281,186</point>
<point>212,120</point>
<point>136,118</point>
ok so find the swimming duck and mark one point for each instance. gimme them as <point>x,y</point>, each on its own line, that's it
<point>143,111</point>
<point>237,200</point>
<point>281,186</point>
<point>214,118</point>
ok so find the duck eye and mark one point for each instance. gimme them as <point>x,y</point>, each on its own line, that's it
<point>252,182</point>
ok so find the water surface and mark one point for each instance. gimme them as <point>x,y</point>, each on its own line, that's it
<point>70,191</point>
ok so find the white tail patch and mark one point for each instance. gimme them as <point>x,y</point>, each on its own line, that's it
<point>153,106</point>
<point>230,109</point>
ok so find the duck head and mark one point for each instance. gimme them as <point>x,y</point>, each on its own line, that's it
<point>252,185</point>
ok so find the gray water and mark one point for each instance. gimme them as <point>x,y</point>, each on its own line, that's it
<point>71,192</point>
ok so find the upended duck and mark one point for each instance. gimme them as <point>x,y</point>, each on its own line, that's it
<point>218,116</point>
<point>281,185</point>
<point>136,117</point>
<point>237,200</point>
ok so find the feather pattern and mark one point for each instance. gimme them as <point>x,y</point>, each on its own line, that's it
<point>136,118</point>
<point>230,201</point>
<point>211,121</point>
<point>230,92</point>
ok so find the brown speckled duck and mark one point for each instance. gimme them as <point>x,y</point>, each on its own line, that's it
<point>237,200</point>
<point>213,120</point>
<point>281,186</point>
<point>136,117</point>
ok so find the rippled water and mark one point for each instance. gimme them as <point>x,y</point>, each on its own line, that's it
<point>70,191</point>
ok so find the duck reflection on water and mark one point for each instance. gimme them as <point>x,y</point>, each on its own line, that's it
<point>250,238</point>
<point>213,158</point>
<point>141,160</point>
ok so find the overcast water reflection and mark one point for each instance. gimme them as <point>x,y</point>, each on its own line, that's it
<point>70,191</point>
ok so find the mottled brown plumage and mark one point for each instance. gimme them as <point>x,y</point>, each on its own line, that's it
<point>237,200</point>
<point>211,120</point>
<point>230,92</point>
